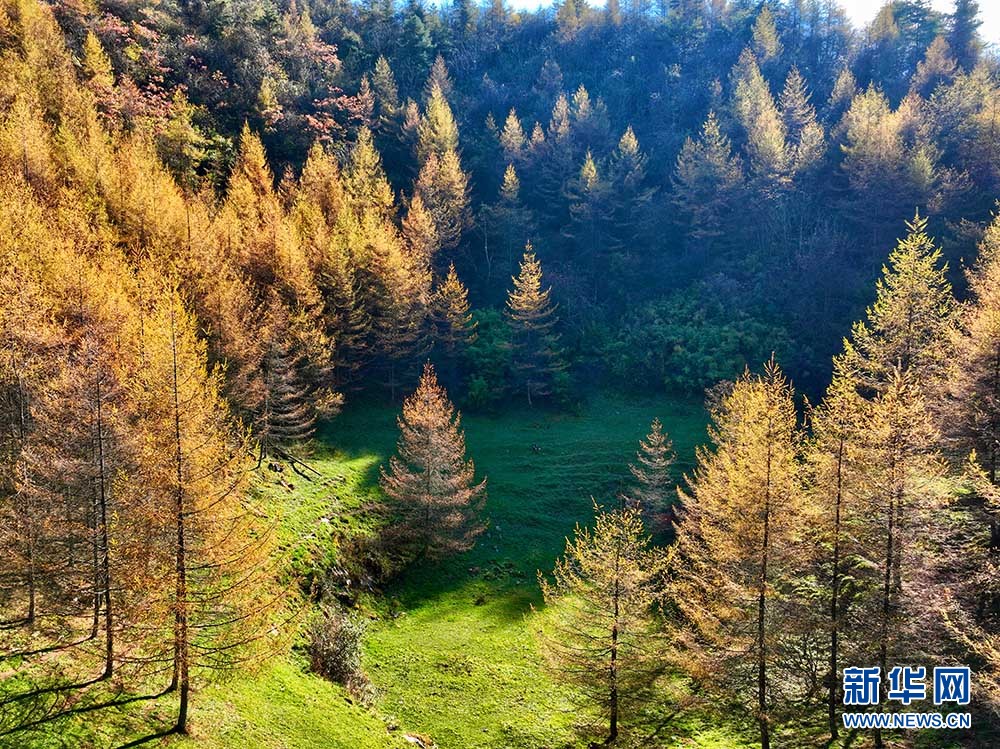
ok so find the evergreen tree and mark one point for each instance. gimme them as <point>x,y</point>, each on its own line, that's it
<point>707,180</point>
<point>964,39</point>
<point>605,638</point>
<point>537,359</point>
<point>429,482</point>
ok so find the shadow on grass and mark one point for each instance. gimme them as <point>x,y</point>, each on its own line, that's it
<point>49,714</point>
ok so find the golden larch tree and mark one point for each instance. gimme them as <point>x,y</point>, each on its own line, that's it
<point>429,482</point>
<point>738,546</point>
<point>603,634</point>
<point>537,358</point>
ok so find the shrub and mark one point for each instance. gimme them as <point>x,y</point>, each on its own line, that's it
<point>335,649</point>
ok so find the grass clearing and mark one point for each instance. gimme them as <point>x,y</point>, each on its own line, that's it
<point>454,651</point>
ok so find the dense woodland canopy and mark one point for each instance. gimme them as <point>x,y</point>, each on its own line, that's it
<point>221,221</point>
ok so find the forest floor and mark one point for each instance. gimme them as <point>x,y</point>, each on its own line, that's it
<point>451,647</point>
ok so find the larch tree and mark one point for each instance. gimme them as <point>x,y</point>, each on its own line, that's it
<point>739,547</point>
<point>836,466</point>
<point>506,225</point>
<point>766,42</point>
<point>765,129</point>
<point>902,497</point>
<point>444,189</point>
<point>908,327</point>
<point>429,482</point>
<point>805,135</point>
<point>455,327</point>
<point>974,373</point>
<point>211,547</point>
<point>537,358</point>
<point>437,132</point>
<point>602,633</point>
<point>512,138</point>
<point>366,183</point>
<point>652,474</point>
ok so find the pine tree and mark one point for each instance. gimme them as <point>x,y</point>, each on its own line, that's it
<point>604,637</point>
<point>964,39</point>
<point>537,359</point>
<point>651,472</point>
<point>429,482</point>
<point>738,546</point>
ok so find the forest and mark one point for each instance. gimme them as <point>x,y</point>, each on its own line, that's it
<point>382,374</point>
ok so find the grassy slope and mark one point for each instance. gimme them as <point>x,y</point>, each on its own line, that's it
<point>454,651</point>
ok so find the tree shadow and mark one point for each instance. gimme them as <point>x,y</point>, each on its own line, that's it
<point>150,737</point>
<point>50,716</point>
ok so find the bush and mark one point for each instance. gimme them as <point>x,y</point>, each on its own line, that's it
<point>689,341</point>
<point>335,649</point>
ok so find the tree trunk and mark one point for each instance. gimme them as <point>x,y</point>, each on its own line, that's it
<point>105,549</point>
<point>762,718</point>
<point>181,677</point>
<point>835,596</point>
<point>613,670</point>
